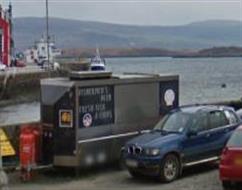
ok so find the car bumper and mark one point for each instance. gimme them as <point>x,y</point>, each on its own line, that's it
<point>150,167</point>
<point>230,173</point>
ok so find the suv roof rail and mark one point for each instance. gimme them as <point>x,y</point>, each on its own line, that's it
<point>190,105</point>
<point>208,104</point>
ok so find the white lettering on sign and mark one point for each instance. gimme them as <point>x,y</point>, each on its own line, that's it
<point>98,103</point>
<point>92,91</point>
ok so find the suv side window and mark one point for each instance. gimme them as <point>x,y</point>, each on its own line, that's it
<point>199,122</point>
<point>217,119</point>
<point>231,117</point>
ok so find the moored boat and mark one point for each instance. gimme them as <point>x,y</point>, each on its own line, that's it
<point>97,63</point>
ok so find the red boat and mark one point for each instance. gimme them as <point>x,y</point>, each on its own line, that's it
<point>231,160</point>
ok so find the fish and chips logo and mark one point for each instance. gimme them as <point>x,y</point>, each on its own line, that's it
<point>87,120</point>
<point>169,97</point>
<point>65,118</point>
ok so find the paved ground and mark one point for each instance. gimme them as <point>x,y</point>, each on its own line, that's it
<point>198,178</point>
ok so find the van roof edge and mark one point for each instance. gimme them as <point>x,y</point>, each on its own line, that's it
<point>79,75</point>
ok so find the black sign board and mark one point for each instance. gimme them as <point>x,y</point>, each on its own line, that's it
<point>96,106</point>
<point>169,96</point>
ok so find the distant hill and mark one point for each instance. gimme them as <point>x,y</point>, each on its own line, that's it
<point>212,52</point>
<point>84,34</point>
<point>153,52</point>
<point>120,52</point>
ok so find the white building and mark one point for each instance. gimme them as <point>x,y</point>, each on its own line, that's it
<point>38,53</point>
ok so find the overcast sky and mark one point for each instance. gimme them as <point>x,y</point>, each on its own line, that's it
<point>140,12</point>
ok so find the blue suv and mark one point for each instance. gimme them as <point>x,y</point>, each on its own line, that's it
<point>185,137</point>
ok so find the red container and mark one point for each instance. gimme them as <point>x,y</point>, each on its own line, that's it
<point>27,148</point>
<point>35,130</point>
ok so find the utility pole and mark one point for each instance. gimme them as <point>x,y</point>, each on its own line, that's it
<point>12,53</point>
<point>47,32</point>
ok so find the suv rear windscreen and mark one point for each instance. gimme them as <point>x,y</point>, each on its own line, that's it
<point>236,139</point>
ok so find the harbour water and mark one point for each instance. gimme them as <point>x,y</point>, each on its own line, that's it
<point>202,80</point>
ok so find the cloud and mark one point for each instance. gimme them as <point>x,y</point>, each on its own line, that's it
<point>141,12</point>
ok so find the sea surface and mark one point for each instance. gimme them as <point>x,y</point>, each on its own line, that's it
<point>202,80</point>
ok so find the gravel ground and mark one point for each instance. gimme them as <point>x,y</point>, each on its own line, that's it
<point>196,178</point>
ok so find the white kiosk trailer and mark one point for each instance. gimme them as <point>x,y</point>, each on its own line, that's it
<point>88,117</point>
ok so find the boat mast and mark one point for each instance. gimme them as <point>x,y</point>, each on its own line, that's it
<point>97,52</point>
<point>47,33</point>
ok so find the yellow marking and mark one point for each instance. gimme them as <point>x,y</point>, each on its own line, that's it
<point>6,147</point>
<point>66,117</point>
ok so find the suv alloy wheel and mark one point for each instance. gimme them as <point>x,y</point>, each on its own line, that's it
<point>170,168</point>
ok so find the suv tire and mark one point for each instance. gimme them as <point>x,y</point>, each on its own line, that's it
<point>170,168</point>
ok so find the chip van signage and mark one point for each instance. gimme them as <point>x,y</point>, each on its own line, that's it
<point>169,96</point>
<point>65,118</point>
<point>96,106</point>
<point>87,120</point>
